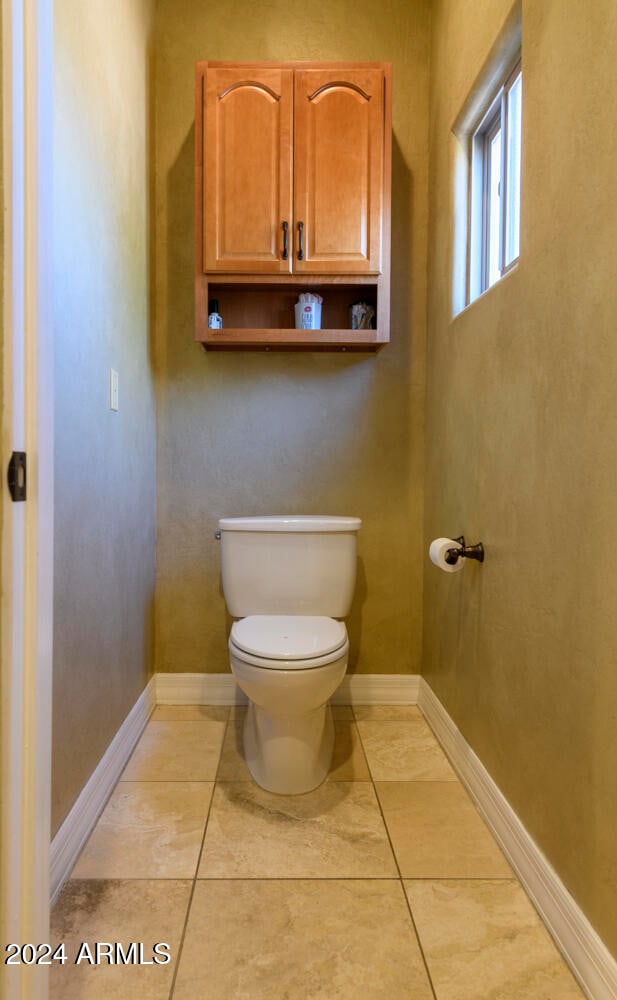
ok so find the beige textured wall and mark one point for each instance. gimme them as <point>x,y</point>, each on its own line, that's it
<point>277,433</point>
<point>522,446</point>
<point>104,461</point>
<point>1,245</point>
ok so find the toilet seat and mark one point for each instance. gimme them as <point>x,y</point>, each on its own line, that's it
<point>288,642</point>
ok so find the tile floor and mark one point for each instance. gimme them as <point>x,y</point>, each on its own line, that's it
<point>382,883</point>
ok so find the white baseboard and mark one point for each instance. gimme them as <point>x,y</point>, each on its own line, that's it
<point>221,689</point>
<point>198,689</point>
<point>378,689</point>
<point>78,825</point>
<point>586,954</point>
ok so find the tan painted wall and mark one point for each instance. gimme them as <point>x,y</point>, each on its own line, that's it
<point>104,462</point>
<point>1,249</point>
<point>278,433</point>
<point>522,446</point>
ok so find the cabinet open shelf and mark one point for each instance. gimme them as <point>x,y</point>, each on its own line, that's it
<point>261,313</point>
<point>281,340</point>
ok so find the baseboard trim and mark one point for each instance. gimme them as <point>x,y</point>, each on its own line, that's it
<point>198,689</point>
<point>378,689</point>
<point>586,954</point>
<point>221,689</point>
<point>78,825</point>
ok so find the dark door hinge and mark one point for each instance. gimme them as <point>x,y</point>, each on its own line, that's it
<point>17,476</point>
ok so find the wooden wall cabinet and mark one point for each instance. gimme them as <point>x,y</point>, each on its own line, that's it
<point>293,164</point>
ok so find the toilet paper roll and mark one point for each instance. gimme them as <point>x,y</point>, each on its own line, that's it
<point>437,552</point>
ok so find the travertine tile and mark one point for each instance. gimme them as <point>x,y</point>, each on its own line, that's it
<point>338,712</point>
<point>335,831</point>
<point>232,765</point>
<point>342,712</point>
<point>404,751</point>
<point>390,713</point>
<point>487,932</point>
<point>148,829</point>
<point>437,832</point>
<point>299,939</point>
<point>90,911</point>
<point>348,761</point>
<point>176,751</point>
<point>190,713</point>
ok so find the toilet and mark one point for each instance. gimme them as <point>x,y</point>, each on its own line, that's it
<point>288,581</point>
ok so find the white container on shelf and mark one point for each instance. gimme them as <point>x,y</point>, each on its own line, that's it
<point>308,315</point>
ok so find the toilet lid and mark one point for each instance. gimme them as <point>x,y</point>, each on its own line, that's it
<point>288,637</point>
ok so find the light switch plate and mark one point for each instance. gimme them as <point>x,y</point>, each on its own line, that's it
<point>113,389</point>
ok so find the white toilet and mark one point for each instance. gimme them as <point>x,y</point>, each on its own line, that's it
<point>288,580</point>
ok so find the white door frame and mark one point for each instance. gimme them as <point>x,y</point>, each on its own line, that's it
<point>26,606</point>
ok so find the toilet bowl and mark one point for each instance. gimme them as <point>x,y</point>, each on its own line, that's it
<point>288,666</point>
<point>288,580</point>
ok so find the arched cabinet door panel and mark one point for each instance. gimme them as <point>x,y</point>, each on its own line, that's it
<point>247,169</point>
<point>338,170</point>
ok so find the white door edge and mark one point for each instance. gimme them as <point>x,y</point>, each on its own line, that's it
<point>27,527</point>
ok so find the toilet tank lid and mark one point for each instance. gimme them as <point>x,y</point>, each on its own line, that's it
<point>290,522</point>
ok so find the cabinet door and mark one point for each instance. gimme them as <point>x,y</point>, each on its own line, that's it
<point>248,169</point>
<point>338,170</point>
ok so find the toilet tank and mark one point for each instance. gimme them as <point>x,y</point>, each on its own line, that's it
<point>296,565</point>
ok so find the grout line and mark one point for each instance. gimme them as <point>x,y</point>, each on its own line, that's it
<point>238,781</point>
<point>299,878</point>
<point>194,885</point>
<point>167,781</point>
<point>364,757</point>
<point>294,878</point>
<point>402,885</point>
<point>408,904</point>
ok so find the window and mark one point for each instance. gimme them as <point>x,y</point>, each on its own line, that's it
<point>496,188</point>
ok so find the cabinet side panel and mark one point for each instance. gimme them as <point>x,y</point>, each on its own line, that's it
<point>201,284</point>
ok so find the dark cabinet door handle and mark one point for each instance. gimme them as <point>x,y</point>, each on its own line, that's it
<point>285,253</point>
<point>300,239</point>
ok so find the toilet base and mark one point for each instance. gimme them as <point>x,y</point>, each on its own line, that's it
<point>288,755</point>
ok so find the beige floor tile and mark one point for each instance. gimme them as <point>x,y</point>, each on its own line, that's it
<point>338,712</point>
<point>343,712</point>
<point>232,766</point>
<point>176,751</point>
<point>487,932</point>
<point>385,713</point>
<point>121,912</point>
<point>148,829</point>
<point>334,832</point>
<point>298,940</point>
<point>404,751</point>
<point>190,713</point>
<point>437,832</point>
<point>348,761</point>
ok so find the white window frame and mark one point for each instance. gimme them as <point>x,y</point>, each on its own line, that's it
<point>495,118</point>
